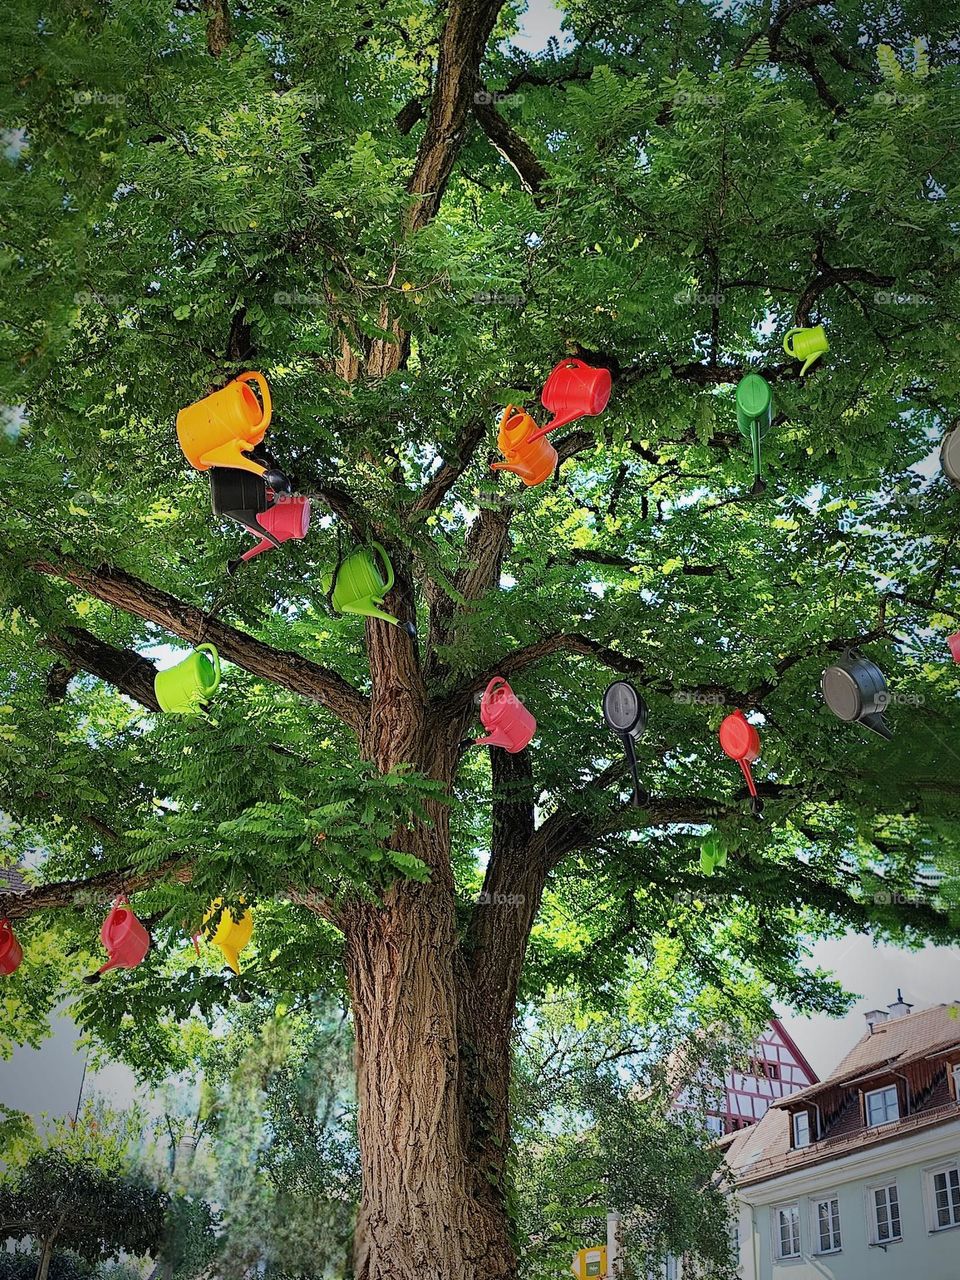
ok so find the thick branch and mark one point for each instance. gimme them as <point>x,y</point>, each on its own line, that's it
<point>71,893</point>
<point>437,489</point>
<point>289,670</point>
<point>514,149</point>
<point>128,671</point>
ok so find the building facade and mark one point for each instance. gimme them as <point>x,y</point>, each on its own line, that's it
<point>858,1176</point>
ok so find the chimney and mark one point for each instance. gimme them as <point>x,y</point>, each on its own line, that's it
<point>899,1008</point>
<point>875,1017</point>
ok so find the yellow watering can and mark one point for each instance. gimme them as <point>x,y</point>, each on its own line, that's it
<point>221,429</point>
<point>231,936</point>
<point>806,344</point>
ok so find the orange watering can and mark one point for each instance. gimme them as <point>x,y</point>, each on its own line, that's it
<point>527,454</point>
<point>222,428</point>
<point>125,939</point>
<point>11,953</point>
<point>508,722</point>
<point>741,742</point>
<point>574,390</point>
<point>230,935</point>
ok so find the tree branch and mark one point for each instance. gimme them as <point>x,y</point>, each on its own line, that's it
<point>437,489</point>
<point>128,671</point>
<point>289,670</point>
<point>514,149</point>
<point>70,893</point>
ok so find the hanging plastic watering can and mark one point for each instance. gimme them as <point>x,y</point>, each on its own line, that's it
<point>954,643</point>
<point>230,935</point>
<point>806,344</point>
<point>124,938</point>
<point>289,517</point>
<point>185,688</point>
<point>950,456</point>
<point>741,742</point>
<point>625,712</point>
<point>507,721</point>
<point>713,853</point>
<point>11,953</point>
<point>574,390</point>
<point>222,428</point>
<point>359,586</point>
<point>527,453</point>
<point>754,418</point>
<point>855,690</point>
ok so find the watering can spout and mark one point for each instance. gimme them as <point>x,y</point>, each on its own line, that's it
<point>809,361</point>
<point>232,957</point>
<point>368,609</point>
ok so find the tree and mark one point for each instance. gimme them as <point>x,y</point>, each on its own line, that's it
<point>405,220</point>
<point>64,1203</point>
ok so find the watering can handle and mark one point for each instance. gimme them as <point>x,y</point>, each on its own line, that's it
<point>381,551</point>
<point>252,376</point>
<point>495,681</point>
<point>215,658</point>
<point>787,346</point>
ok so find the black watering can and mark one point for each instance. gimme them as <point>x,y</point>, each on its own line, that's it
<point>855,690</point>
<point>950,456</point>
<point>625,712</point>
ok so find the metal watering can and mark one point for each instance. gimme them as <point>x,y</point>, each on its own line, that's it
<point>855,690</point>
<point>11,952</point>
<point>741,742</point>
<point>754,418</point>
<point>625,712</point>
<point>527,453</point>
<point>359,588</point>
<point>222,428</point>
<point>508,722</point>
<point>185,688</point>
<point>806,344</point>
<point>230,935</point>
<point>124,938</point>
<point>574,390</point>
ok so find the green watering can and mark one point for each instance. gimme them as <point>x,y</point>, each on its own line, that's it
<point>359,588</point>
<point>185,688</point>
<point>806,345</point>
<point>754,418</point>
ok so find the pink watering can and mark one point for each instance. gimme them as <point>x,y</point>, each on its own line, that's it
<point>741,742</point>
<point>289,517</point>
<point>125,939</point>
<point>11,953</point>
<point>574,390</point>
<point>508,722</point>
<point>954,643</point>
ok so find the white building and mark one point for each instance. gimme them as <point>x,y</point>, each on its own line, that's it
<point>858,1176</point>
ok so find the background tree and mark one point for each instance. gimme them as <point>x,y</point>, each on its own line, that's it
<point>405,220</point>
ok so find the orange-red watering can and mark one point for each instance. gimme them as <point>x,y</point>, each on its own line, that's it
<point>741,742</point>
<point>288,518</point>
<point>125,939</point>
<point>527,454</point>
<point>11,953</point>
<point>508,722</point>
<point>221,429</point>
<point>574,390</point>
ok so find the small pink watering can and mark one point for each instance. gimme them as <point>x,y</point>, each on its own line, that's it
<point>574,390</point>
<point>11,953</point>
<point>125,939</point>
<point>289,517</point>
<point>508,722</point>
<point>954,643</point>
<point>741,742</point>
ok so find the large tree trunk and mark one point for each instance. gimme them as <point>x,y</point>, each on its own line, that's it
<point>427,1211</point>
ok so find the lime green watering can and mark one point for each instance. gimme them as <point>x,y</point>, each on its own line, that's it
<point>806,345</point>
<point>359,587</point>
<point>754,418</point>
<point>185,688</point>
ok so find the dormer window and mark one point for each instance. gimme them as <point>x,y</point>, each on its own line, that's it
<point>882,1105</point>
<point>801,1129</point>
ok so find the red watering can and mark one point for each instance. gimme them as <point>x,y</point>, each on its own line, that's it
<point>574,390</point>
<point>125,939</point>
<point>741,742</point>
<point>954,643</point>
<point>508,722</point>
<point>11,953</point>
<point>288,518</point>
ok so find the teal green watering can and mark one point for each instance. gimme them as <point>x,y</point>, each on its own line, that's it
<point>185,688</point>
<point>754,418</point>
<point>359,587</point>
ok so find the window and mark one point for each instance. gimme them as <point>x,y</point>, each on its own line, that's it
<point>671,1269</point>
<point>883,1105</point>
<point>801,1129</point>
<point>828,1226</point>
<point>956,1081</point>
<point>886,1213</point>
<point>788,1231</point>
<point>715,1125</point>
<point>946,1192</point>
